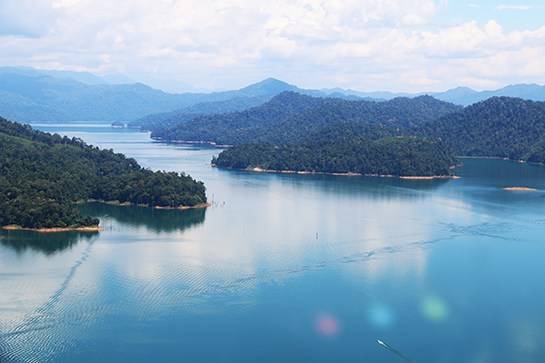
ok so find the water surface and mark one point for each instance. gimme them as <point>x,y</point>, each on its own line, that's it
<point>286,268</point>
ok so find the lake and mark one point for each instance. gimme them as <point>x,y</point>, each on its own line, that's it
<point>286,268</point>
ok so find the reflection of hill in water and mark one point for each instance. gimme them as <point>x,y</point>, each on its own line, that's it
<point>48,244</point>
<point>376,188</point>
<point>153,219</point>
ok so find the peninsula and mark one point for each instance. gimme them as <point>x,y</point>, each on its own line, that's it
<point>44,176</point>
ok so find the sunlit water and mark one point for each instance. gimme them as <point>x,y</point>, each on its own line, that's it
<point>286,268</point>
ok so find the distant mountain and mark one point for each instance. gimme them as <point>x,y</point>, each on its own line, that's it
<point>83,77</point>
<point>460,96</point>
<point>31,95</point>
<point>168,119</point>
<point>467,96</point>
<point>30,98</point>
<point>34,95</point>
<point>267,87</point>
<point>370,96</point>
<point>290,116</point>
<point>243,99</point>
<point>500,126</point>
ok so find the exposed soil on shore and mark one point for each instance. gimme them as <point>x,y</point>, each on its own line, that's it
<point>87,229</point>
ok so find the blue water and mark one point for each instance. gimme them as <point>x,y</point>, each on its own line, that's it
<point>286,268</point>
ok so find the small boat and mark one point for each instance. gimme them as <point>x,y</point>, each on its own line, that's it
<point>118,125</point>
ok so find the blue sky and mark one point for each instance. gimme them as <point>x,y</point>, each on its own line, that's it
<point>179,45</point>
<point>512,15</point>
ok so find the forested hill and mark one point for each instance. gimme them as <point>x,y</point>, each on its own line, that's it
<point>346,148</point>
<point>289,116</point>
<point>500,127</point>
<point>43,175</point>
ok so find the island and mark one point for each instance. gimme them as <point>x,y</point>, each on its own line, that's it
<point>409,157</point>
<point>43,177</point>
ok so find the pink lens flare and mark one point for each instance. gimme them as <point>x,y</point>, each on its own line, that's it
<point>327,325</point>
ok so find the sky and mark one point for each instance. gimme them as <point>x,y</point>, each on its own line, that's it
<point>367,45</point>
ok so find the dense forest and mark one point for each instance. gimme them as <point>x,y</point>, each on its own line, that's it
<point>290,116</point>
<point>399,137</point>
<point>43,175</point>
<point>500,126</point>
<point>342,148</point>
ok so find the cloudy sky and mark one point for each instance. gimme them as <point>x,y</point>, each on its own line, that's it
<point>398,45</point>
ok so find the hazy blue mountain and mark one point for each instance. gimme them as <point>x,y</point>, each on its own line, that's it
<point>466,96</point>
<point>200,109</point>
<point>267,87</point>
<point>83,77</point>
<point>30,95</point>
<point>370,96</point>
<point>460,96</point>
<point>243,99</point>
<point>29,98</point>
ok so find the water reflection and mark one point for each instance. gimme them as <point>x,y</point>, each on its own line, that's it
<point>48,244</point>
<point>370,187</point>
<point>152,219</point>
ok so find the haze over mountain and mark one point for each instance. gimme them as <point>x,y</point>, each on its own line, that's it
<point>460,95</point>
<point>30,95</point>
<point>83,77</point>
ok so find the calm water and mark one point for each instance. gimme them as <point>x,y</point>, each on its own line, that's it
<point>286,268</point>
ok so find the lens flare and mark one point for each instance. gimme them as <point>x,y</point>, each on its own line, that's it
<point>380,316</point>
<point>327,325</point>
<point>434,308</point>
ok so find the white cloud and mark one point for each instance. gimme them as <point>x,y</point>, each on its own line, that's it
<point>514,7</point>
<point>366,44</point>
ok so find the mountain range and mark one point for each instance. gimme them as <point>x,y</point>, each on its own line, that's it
<point>32,95</point>
<point>463,96</point>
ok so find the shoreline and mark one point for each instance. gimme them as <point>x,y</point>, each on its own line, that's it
<point>191,143</point>
<point>303,172</point>
<point>96,229</point>
<point>432,177</point>
<point>88,229</point>
<point>129,204</point>
<point>184,207</point>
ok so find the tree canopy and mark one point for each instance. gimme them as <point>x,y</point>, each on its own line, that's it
<point>290,116</point>
<point>43,175</point>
